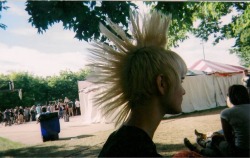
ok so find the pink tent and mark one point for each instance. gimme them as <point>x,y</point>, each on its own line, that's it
<point>209,90</point>
<point>213,67</point>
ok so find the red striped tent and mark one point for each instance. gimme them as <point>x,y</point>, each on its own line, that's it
<point>214,67</point>
<point>209,90</point>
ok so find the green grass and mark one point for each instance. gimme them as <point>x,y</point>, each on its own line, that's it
<point>6,144</point>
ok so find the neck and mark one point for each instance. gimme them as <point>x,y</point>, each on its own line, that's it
<point>146,117</point>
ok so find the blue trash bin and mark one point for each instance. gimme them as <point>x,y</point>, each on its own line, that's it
<point>50,126</point>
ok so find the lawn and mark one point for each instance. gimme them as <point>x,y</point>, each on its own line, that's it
<point>168,138</point>
<point>6,144</point>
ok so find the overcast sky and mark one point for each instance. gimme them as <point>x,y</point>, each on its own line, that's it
<point>23,49</point>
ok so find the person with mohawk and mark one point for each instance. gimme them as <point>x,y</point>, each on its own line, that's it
<point>142,80</point>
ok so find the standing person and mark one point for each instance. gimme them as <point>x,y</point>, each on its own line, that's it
<point>52,108</point>
<point>38,109</point>
<point>65,109</point>
<point>235,123</point>
<point>33,113</point>
<point>60,109</point>
<point>28,114</point>
<point>246,80</point>
<point>65,106</point>
<point>70,108</point>
<point>12,116</point>
<point>144,83</point>
<point>77,105</point>
<point>16,111</point>
<point>7,117</point>
<point>66,100</point>
<point>20,115</point>
<point>1,117</point>
<point>57,105</point>
<point>25,114</point>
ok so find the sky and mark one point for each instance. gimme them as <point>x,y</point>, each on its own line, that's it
<point>23,49</point>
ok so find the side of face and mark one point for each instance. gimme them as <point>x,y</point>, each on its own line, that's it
<point>173,89</point>
<point>171,102</point>
<point>229,104</point>
<point>175,100</point>
<point>245,73</point>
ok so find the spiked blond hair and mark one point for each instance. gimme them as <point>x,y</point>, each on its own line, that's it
<point>128,70</point>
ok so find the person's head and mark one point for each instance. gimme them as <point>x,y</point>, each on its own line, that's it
<point>44,109</point>
<point>135,70</point>
<point>141,71</point>
<point>238,94</point>
<point>245,72</point>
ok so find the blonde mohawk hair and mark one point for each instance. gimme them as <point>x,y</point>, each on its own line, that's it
<point>148,30</point>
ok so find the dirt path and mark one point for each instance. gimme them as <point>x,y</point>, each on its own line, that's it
<point>30,133</point>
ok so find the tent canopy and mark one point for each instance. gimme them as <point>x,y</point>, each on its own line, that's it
<point>194,73</point>
<point>213,67</point>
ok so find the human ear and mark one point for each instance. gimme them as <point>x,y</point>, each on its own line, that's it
<point>160,84</point>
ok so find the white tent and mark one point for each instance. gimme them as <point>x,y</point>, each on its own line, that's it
<point>89,112</point>
<point>202,92</point>
<point>209,91</point>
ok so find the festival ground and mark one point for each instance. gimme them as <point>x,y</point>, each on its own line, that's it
<point>77,139</point>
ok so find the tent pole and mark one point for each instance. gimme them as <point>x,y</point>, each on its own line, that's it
<point>202,43</point>
<point>214,91</point>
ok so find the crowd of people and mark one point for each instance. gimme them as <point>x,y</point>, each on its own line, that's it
<point>68,107</point>
<point>17,115</point>
<point>20,115</point>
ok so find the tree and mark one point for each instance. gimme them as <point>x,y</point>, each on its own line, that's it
<point>39,90</point>
<point>81,16</point>
<point>65,85</point>
<point>209,14</point>
<point>84,17</point>
<point>6,96</point>
<point>240,29</point>
<point>22,80</point>
<point>3,7</point>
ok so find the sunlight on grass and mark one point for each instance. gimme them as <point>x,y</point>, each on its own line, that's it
<point>6,144</point>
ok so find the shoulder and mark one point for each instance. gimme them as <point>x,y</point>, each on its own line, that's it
<point>129,141</point>
<point>226,112</point>
<point>133,134</point>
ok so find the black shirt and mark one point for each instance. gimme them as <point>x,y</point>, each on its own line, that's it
<point>129,141</point>
<point>20,111</point>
